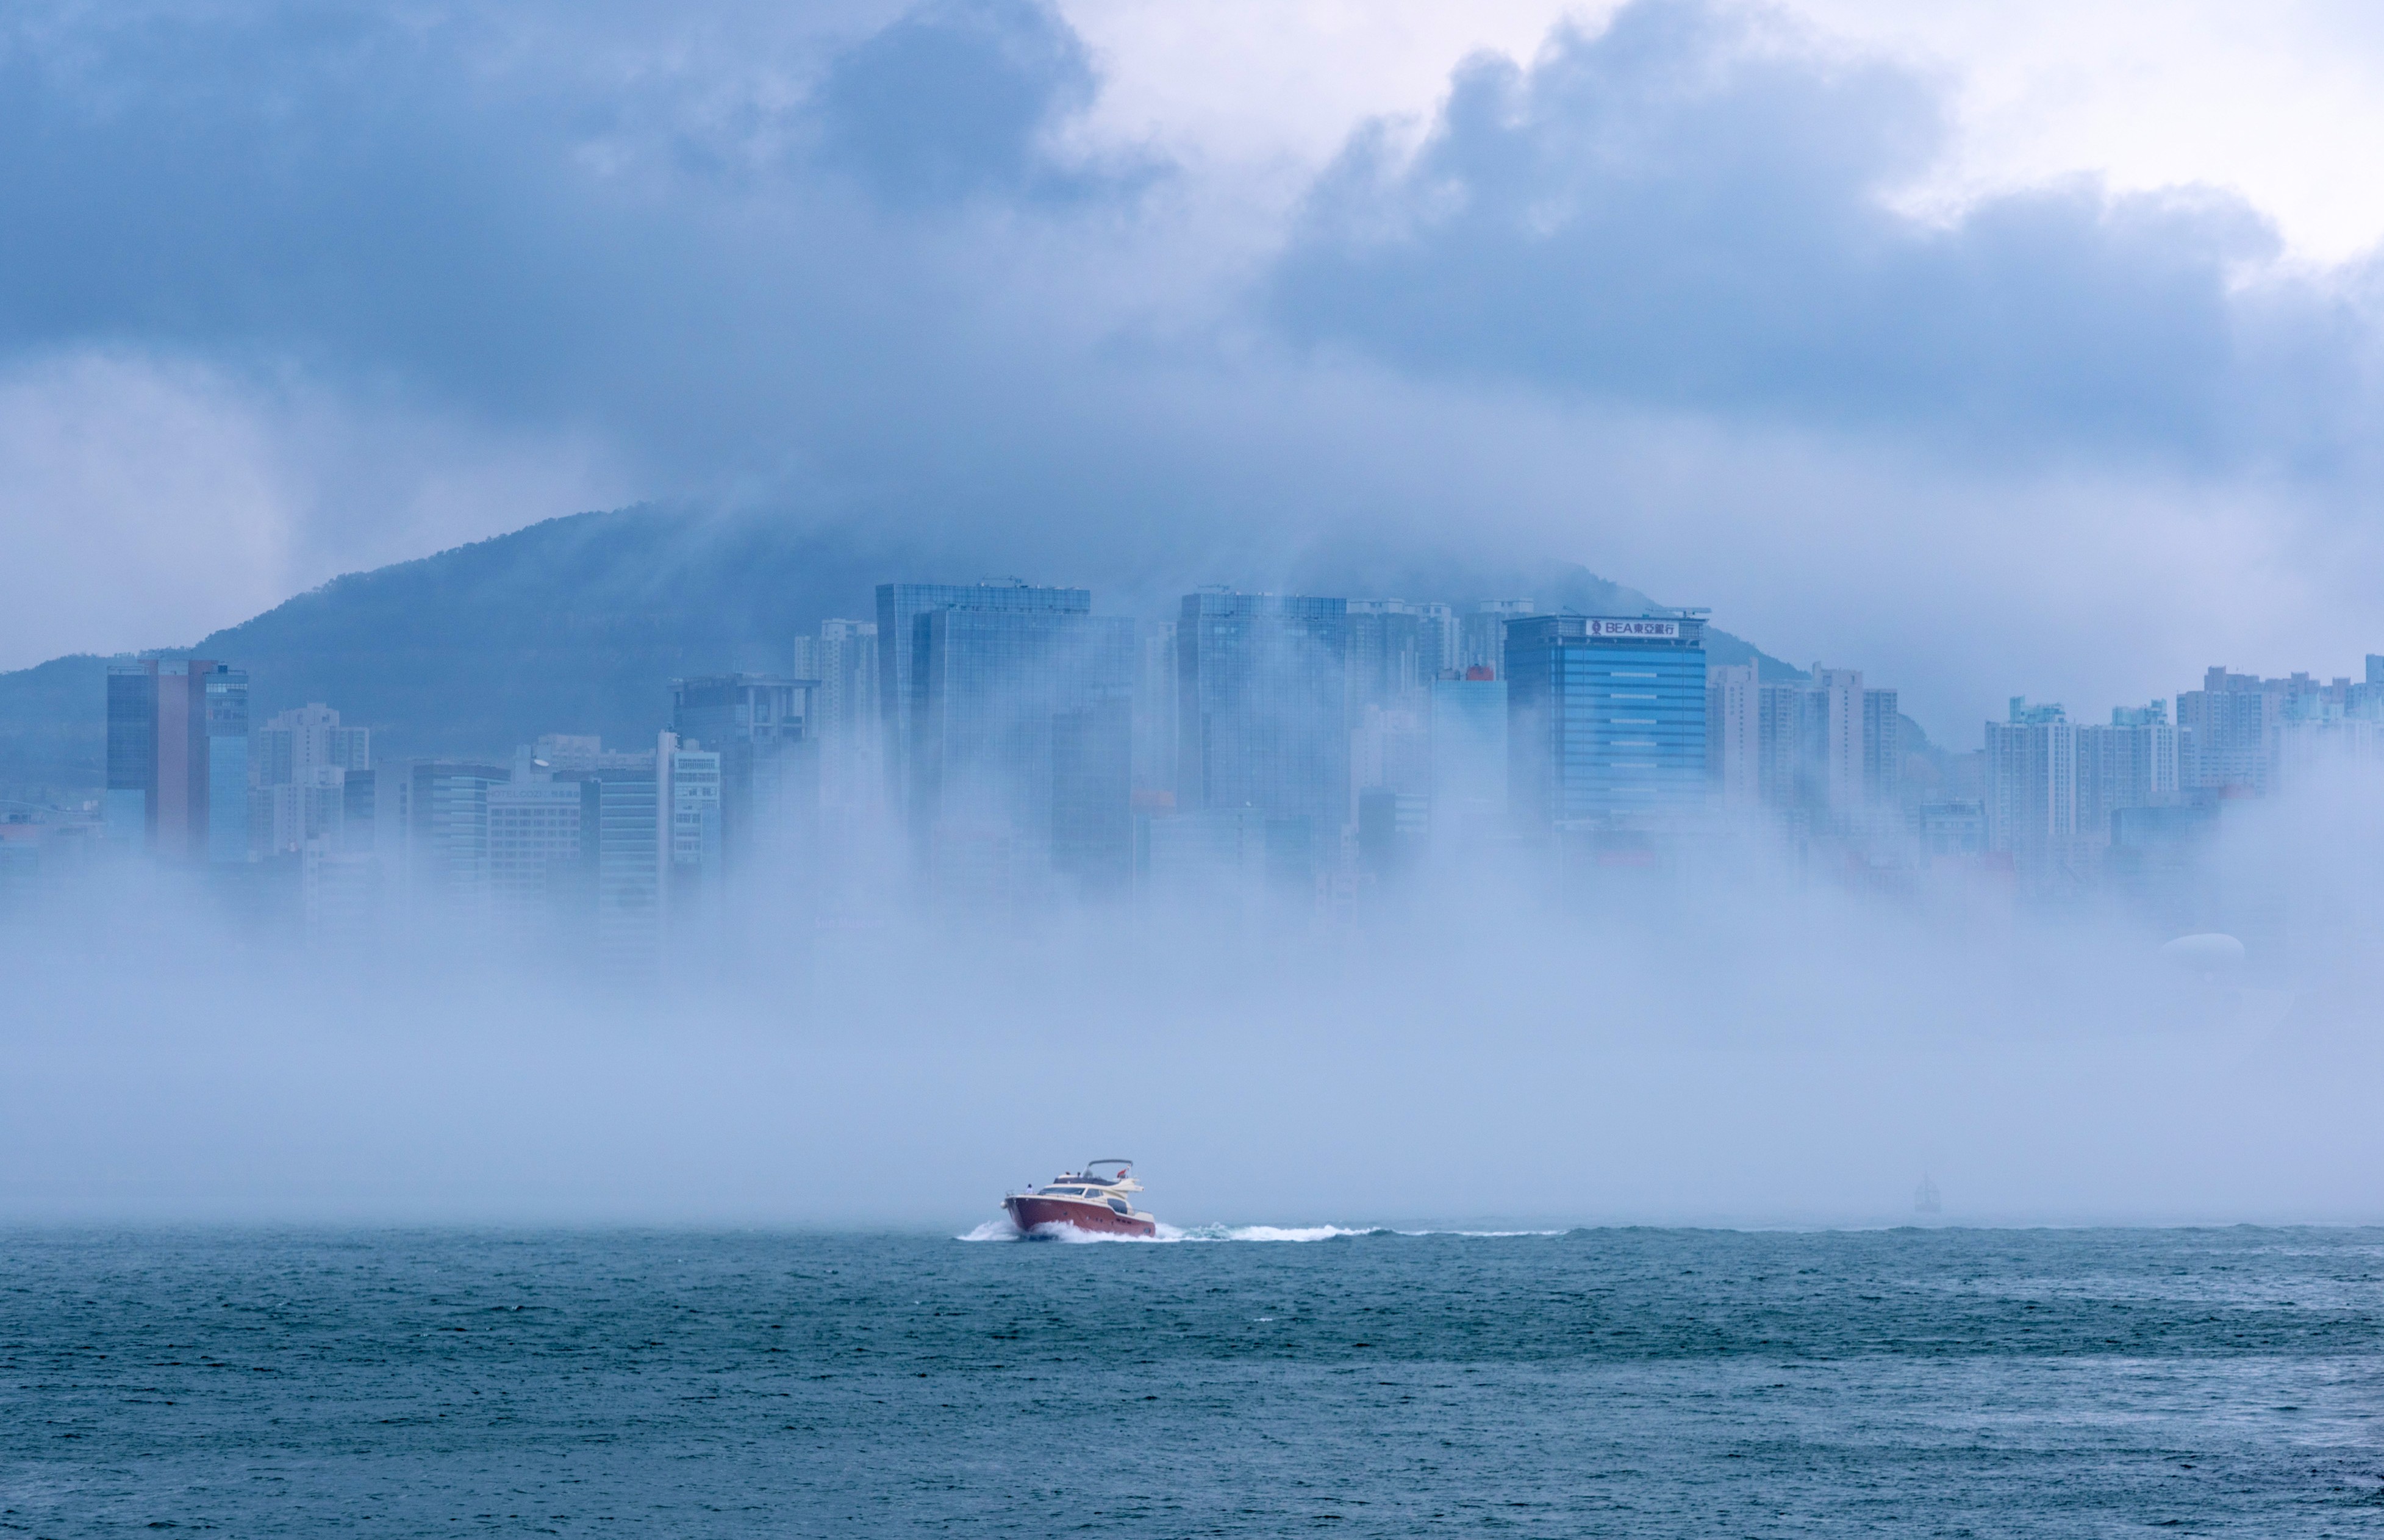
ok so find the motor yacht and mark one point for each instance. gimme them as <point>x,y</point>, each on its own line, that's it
<point>1095,1199</point>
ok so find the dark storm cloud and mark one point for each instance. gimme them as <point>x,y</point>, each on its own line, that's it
<point>954,99</point>
<point>745,243</point>
<point>667,229</point>
<point>1688,211</point>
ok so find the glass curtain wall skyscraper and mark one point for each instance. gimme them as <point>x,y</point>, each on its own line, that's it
<point>1606,719</point>
<point>1262,693</point>
<point>899,605</point>
<point>178,758</point>
<point>760,725</point>
<point>1022,734</point>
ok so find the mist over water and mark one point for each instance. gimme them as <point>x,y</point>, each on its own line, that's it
<point>1734,1041</point>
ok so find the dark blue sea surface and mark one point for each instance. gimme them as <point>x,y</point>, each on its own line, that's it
<point>1598,1383</point>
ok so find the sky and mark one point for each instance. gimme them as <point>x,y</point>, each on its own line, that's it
<point>2012,349</point>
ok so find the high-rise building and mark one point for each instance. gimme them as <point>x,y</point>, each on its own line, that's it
<point>759,724</point>
<point>1735,733</point>
<point>690,800</point>
<point>1262,710</point>
<point>1825,752</point>
<point>2227,731</point>
<point>1394,649</point>
<point>631,856</point>
<point>299,770</point>
<point>1481,631</point>
<point>430,830</point>
<point>306,738</point>
<point>178,758</point>
<point>227,706</point>
<point>540,873</point>
<point>844,659</point>
<point>1838,747</point>
<point>1882,748</point>
<point>2031,801</point>
<point>1606,719</point>
<point>1022,731</point>
<point>2127,764</point>
<point>899,607</point>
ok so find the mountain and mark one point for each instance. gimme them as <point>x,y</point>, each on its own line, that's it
<point>580,624</point>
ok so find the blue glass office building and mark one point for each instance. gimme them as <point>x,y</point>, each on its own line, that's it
<point>899,608</point>
<point>178,758</point>
<point>1021,725</point>
<point>1262,697</point>
<point>1606,719</point>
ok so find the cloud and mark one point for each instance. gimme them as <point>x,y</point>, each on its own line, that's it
<point>149,500</point>
<point>958,98</point>
<point>1692,210</point>
<point>1647,305</point>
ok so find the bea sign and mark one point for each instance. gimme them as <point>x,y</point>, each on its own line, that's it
<point>1668,630</point>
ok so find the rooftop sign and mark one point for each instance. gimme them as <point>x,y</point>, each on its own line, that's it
<point>1668,630</point>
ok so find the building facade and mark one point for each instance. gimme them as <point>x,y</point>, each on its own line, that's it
<point>1023,732</point>
<point>899,607</point>
<point>1606,719</point>
<point>178,733</point>
<point>760,725</point>
<point>1263,709</point>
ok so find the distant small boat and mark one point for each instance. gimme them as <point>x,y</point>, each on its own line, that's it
<point>1924,1197</point>
<point>1088,1199</point>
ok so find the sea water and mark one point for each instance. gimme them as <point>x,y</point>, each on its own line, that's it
<point>1635,1383</point>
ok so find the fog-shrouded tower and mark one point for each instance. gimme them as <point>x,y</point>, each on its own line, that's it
<point>178,759</point>
<point>899,608</point>
<point>1262,704</point>
<point>1022,741</point>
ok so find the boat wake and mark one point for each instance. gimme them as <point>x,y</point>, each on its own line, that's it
<point>1168,1234</point>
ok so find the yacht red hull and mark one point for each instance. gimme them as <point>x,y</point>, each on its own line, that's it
<point>1028,1213</point>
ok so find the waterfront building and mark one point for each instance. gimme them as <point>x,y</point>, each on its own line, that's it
<point>1838,747</point>
<point>690,800</point>
<point>2031,770</point>
<point>899,607</point>
<point>844,659</point>
<point>2054,788</point>
<point>2131,763</point>
<point>1022,733</point>
<point>1482,632</point>
<point>1393,649</point>
<point>1882,749</point>
<point>1735,734</point>
<point>307,737</point>
<point>178,759</point>
<point>538,867</point>
<point>759,724</point>
<point>431,828</point>
<point>1606,720</point>
<point>2227,731</point>
<point>226,691</point>
<point>1263,709</point>
<point>301,763</point>
<point>629,866</point>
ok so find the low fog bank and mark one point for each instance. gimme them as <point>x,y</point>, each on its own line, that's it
<point>1745,1042</point>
